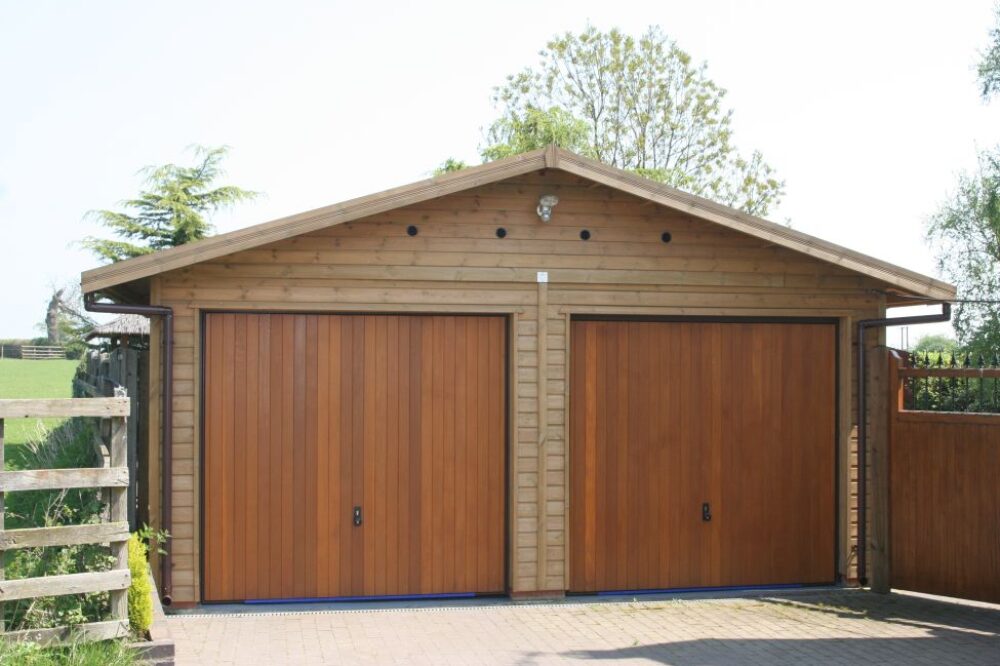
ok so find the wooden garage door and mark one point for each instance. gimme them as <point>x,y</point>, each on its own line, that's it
<point>309,416</point>
<point>667,417</point>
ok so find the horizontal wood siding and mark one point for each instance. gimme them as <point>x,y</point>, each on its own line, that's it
<point>455,264</point>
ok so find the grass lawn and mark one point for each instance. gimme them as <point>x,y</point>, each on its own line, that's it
<point>32,379</point>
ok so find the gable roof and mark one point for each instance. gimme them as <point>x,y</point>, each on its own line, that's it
<point>552,157</point>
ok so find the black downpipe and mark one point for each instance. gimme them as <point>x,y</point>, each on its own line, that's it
<point>864,325</point>
<point>91,305</point>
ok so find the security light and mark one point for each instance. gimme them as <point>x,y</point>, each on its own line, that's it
<point>545,205</point>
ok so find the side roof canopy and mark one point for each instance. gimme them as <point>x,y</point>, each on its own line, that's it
<point>906,282</point>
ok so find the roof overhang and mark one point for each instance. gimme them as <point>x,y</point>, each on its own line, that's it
<point>908,282</point>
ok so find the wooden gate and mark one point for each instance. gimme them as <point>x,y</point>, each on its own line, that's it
<point>944,483</point>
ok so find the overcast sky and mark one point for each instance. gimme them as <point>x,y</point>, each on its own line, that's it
<point>867,109</point>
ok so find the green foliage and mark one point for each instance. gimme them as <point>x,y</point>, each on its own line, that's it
<point>952,394</point>
<point>17,342</point>
<point>152,536</point>
<point>989,66</point>
<point>965,234</point>
<point>634,103</point>
<point>171,211</point>
<point>68,445</point>
<point>935,343</point>
<point>522,131</point>
<point>449,165</point>
<point>140,599</point>
<point>102,653</point>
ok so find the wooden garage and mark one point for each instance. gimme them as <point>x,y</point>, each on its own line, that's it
<point>436,390</point>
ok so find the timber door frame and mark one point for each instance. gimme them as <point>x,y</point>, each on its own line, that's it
<point>509,404</point>
<point>839,325</point>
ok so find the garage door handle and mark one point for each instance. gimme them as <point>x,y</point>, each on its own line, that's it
<point>357,516</point>
<point>706,512</point>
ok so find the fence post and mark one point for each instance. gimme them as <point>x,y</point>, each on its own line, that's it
<point>883,387</point>
<point>131,382</point>
<point>119,511</point>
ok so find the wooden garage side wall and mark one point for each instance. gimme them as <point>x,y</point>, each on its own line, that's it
<point>456,263</point>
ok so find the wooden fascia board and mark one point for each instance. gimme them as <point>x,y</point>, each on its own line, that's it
<point>269,232</point>
<point>738,221</point>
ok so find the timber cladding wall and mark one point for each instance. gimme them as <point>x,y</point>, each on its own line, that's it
<point>457,263</point>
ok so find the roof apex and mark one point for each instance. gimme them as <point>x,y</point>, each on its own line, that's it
<point>552,157</point>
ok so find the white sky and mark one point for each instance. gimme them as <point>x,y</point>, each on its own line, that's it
<point>867,109</point>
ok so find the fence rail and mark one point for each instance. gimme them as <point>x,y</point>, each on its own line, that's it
<point>115,532</point>
<point>949,382</point>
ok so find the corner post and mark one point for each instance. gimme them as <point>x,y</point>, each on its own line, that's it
<point>119,512</point>
<point>541,495</point>
<point>883,387</point>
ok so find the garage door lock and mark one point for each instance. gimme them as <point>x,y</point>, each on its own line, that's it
<point>706,512</point>
<point>357,516</point>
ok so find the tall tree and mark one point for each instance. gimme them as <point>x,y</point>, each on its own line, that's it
<point>173,208</point>
<point>66,321</point>
<point>965,233</point>
<point>52,316</point>
<point>935,342</point>
<point>989,66</point>
<point>635,103</point>
<point>516,133</point>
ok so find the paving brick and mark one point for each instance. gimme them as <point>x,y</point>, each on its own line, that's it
<point>825,627</point>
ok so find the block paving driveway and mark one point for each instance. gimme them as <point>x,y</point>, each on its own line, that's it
<point>817,627</point>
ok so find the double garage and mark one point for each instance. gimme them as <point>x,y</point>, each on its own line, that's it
<point>367,455</point>
<point>449,389</point>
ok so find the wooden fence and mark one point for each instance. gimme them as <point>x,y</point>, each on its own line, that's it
<point>32,352</point>
<point>115,532</point>
<point>100,375</point>
<point>944,493</point>
<point>39,352</point>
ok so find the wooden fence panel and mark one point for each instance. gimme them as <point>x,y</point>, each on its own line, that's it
<point>41,352</point>
<point>104,372</point>
<point>115,533</point>
<point>944,499</point>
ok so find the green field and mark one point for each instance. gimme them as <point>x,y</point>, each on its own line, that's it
<point>33,379</point>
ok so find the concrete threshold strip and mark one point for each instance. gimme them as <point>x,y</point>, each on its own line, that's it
<point>494,603</point>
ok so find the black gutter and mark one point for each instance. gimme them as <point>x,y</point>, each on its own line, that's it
<point>91,305</point>
<point>864,325</point>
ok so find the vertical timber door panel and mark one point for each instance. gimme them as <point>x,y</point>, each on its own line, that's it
<point>667,416</point>
<point>308,416</point>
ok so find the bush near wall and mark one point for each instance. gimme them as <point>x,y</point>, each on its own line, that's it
<point>140,593</point>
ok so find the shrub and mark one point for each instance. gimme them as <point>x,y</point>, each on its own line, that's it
<point>140,592</point>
